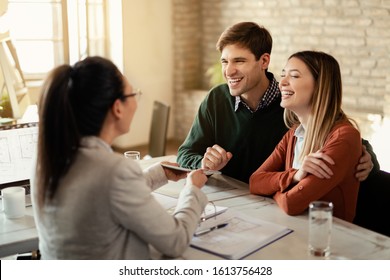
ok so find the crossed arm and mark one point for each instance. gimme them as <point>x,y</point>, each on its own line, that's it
<point>216,157</point>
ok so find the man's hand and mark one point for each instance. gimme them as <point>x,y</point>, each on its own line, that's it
<point>215,158</point>
<point>316,164</point>
<point>365,165</point>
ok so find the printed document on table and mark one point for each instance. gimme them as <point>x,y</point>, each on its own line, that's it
<point>240,237</point>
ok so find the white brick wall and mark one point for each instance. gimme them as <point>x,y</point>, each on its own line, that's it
<point>356,32</point>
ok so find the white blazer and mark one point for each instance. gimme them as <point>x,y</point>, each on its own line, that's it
<point>104,210</point>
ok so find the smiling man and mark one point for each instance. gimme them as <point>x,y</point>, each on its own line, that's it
<point>239,123</point>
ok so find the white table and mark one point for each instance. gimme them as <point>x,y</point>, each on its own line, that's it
<point>18,235</point>
<point>348,240</point>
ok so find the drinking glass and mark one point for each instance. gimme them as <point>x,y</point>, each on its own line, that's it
<point>320,227</point>
<point>135,155</point>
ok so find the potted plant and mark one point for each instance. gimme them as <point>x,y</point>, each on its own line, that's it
<point>214,73</point>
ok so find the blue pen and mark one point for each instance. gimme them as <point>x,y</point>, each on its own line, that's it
<point>207,230</point>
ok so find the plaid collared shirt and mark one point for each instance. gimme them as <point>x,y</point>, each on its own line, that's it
<point>270,95</point>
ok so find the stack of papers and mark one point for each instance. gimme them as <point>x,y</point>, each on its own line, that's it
<point>227,233</point>
<point>233,235</point>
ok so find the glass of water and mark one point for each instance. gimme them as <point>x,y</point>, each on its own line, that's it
<point>135,155</point>
<point>320,228</point>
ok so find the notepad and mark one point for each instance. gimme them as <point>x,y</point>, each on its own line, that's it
<point>241,236</point>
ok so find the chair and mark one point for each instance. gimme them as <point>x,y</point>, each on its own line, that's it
<point>373,207</point>
<point>158,130</point>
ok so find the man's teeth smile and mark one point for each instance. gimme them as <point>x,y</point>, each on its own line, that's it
<point>234,81</point>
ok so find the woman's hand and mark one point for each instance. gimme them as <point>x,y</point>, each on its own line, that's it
<point>173,174</point>
<point>197,178</point>
<point>316,164</point>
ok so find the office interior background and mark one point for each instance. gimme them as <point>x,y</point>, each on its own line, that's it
<point>166,47</point>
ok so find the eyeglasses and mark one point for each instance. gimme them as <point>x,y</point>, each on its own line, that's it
<point>137,94</point>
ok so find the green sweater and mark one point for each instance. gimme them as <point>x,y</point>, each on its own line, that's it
<point>250,137</point>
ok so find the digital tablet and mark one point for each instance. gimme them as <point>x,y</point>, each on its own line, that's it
<point>206,172</point>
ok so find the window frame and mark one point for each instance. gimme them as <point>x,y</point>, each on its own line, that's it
<point>75,44</point>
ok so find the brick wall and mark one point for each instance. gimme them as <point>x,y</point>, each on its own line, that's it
<point>386,103</point>
<point>187,38</point>
<point>356,32</point>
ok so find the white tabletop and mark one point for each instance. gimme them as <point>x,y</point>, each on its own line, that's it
<point>18,235</point>
<point>348,240</point>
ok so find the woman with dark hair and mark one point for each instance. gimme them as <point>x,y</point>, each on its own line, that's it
<point>92,203</point>
<point>317,157</point>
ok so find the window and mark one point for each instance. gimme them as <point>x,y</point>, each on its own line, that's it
<point>48,33</point>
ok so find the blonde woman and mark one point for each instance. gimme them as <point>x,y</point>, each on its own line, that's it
<point>317,157</point>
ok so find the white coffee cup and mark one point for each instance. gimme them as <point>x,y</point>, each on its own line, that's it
<point>14,202</point>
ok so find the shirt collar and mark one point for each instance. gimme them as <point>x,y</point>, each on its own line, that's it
<point>299,132</point>
<point>269,96</point>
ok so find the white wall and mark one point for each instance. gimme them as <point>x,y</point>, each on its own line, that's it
<point>147,61</point>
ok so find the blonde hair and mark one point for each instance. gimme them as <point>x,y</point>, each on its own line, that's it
<point>326,100</point>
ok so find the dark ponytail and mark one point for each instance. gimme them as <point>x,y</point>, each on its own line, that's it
<point>74,103</point>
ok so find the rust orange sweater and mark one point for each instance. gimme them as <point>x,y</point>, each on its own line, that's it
<point>274,176</point>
